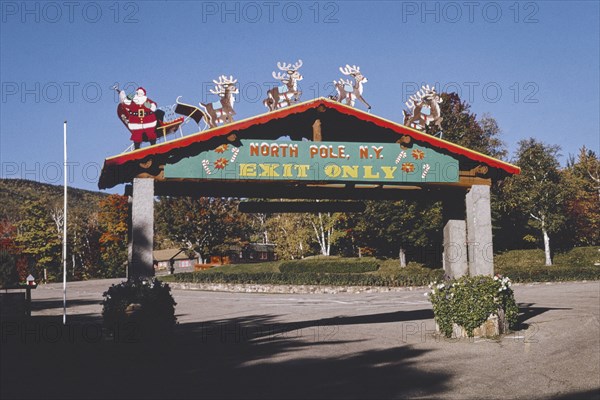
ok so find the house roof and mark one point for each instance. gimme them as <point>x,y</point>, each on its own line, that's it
<point>267,247</point>
<point>167,254</point>
<point>297,119</point>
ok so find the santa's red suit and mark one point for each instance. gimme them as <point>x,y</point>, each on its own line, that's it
<point>140,116</point>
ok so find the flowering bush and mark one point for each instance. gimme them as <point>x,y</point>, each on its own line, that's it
<point>145,305</point>
<point>469,301</point>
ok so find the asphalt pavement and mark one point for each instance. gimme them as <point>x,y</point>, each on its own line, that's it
<point>365,345</point>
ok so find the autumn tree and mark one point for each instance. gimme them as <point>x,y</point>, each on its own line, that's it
<point>201,225</point>
<point>84,245</point>
<point>259,227</point>
<point>581,179</point>
<point>38,239</point>
<point>324,229</point>
<point>537,192</point>
<point>292,235</point>
<point>13,264</point>
<point>112,221</point>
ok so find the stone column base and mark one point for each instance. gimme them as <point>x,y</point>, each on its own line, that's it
<point>495,325</point>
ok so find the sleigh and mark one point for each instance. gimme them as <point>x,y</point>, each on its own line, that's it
<point>190,111</point>
<point>164,128</point>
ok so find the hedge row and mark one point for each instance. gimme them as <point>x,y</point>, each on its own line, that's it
<point>405,278</point>
<point>329,267</point>
<point>551,274</point>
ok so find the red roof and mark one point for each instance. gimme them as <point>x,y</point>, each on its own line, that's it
<point>180,143</point>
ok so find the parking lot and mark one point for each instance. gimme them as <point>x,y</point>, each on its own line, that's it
<point>373,345</point>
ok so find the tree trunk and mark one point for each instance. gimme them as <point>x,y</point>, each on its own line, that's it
<point>546,246</point>
<point>402,257</point>
<point>320,235</point>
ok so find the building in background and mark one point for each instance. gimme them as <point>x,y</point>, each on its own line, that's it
<point>181,260</point>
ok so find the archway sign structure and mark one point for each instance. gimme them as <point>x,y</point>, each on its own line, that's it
<point>316,149</point>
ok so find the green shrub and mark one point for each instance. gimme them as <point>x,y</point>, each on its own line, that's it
<point>469,301</point>
<point>550,274</point>
<point>146,306</point>
<point>329,266</point>
<point>408,277</point>
<point>519,258</point>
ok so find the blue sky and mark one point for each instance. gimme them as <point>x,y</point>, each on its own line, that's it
<point>534,66</point>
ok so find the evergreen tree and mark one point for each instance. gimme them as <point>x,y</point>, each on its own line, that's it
<point>461,126</point>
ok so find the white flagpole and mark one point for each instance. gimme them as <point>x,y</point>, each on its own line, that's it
<point>64,255</point>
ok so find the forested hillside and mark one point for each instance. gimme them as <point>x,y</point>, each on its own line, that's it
<point>15,192</point>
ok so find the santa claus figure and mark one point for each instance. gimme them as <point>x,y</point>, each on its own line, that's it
<point>139,114</point>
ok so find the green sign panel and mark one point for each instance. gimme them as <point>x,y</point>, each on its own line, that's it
<point>318,162</point>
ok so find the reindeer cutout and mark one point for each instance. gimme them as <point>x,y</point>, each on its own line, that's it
<point>425,99</point>
<point>217,112</point>
<point>221,112</point>
<point>349,91</point>
<point>288,93</point>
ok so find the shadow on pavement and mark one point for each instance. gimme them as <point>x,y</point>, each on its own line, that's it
<point>593,394</point>
<point>527,312</point>
<point>38,305</point>
<point>245,357</point>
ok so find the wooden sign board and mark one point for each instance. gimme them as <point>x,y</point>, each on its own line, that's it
<point>268,160</point>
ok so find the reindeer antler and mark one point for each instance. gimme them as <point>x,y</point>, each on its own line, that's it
<point>417,97</point>
<point>283,66</point>
<point>289,67</point>
<point>280,76</point>
<point>223,80</point>
<point>349,70</point>
<point>229,81</point>
<point>217,90</point>
<point>425,89</point>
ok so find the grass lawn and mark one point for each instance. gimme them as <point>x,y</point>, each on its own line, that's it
<point>386,266</point>
<point>272,266</point>
<point>528,265</point>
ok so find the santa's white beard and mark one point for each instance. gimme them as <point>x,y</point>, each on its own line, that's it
<point>139,100</point>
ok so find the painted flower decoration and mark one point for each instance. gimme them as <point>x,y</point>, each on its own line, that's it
<point>418,154</point>
<point>408,167</point>
<point>221,149</point>
<point>221,163</point>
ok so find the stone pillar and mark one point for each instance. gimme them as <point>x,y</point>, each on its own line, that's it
<point>454,257</point>
<point>142,228</point>
<point>479,231</point>
<point>455,249</point>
